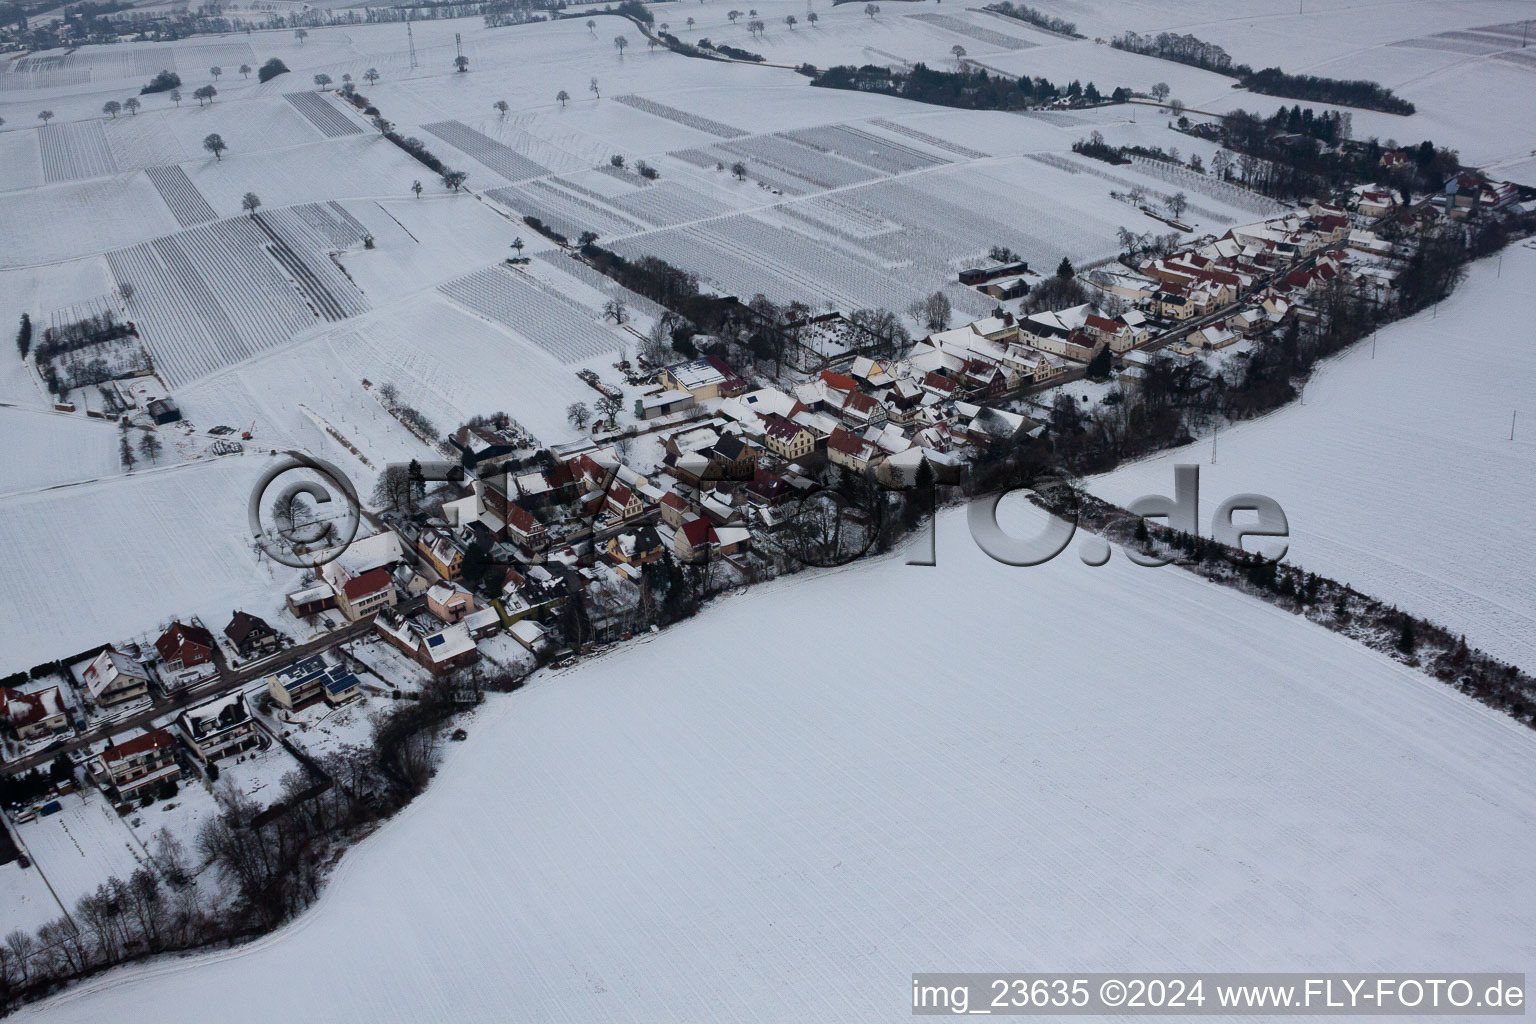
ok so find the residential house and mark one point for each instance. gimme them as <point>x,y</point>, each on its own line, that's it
<point>114,678</point>
<point>851,451</point>
<point>125,770</point>
<point>437,546</point>
<point>364,595</point>
<point>708,377</point>
<point>437,648</point>
<point>218,728</point>
<point>186,655</point>
<point>787,439</point>
<point>523,529</point>
<point>251,635</point>
<point>34,715</point>
<point>309,681</point>
<point>639,546</point>
<point>449,603</point>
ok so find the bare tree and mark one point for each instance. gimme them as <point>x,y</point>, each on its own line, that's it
<point>371,75</point>
<point>323,80</point>
<point>215,145</point>
<point>245,71</point>
<point>216,72</point>
<point>45,116</point>
<point>958,52</point>
<point>501,107</point>
<point>562,97</point>
<point>619,42</point>
<point>1160,91</point>
<point>110,108</point>
<point>301,35</point>
<point>1177,204</point>
<point>132,105</point>
<point>578,414</point>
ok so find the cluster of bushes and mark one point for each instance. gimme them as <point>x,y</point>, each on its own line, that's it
<point>969,89</point>
<point>1351,93</point>
<point>676,45</point>
<point>271,69</point>
<point>1037,18</point>
<point>728,50</point>
<point>165,81</point>
<point>1186,49</point>
<point>1095,147</point>
<point>1297,152</point>
<point>417,149</point>
<point>1182,49</point>
<point>545,230</point>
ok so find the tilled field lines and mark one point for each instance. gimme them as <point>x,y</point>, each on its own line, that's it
<point>565,329</point>
<point>75,150</point>
<point>318,111</point>
<point>186,202</point>
<point>502,159</point>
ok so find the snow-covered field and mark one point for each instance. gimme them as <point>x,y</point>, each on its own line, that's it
<point>1397,473</point>
<point>114,559</point>
<point>1112,768</point>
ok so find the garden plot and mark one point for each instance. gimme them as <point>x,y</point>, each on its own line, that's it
<point>54,223</point>
<point>75,150</point>
<point>981,34</point>
<point>78,848</point>
<point>45,449</point>
<point>466,369</point>
<point>862,147</point>
<point>187,204</point>
<point>669,203</point>
<point>318,111</point>
<point>21,161</point>
<point>683,117</point>
<point>565,329</point>
<point>301,393</point>
<point>213,295</point>
<point>504,160</point>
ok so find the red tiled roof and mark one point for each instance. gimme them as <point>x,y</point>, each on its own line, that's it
<point>370,582</point>
<point>180,634</point>
<point>157,740</point>
<point>520,519</point>
<point>845,442</point>
<point>698,531</point>
<point>839,381</point>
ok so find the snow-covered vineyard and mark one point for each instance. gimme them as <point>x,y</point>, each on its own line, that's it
<point>614,347</point>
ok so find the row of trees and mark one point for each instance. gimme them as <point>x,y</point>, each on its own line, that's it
<point>966,88</point>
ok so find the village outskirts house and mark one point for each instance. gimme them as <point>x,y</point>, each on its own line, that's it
<point>186,655</point>
<point>34,715</point>
<point>114,678</point>
<point>252,636</point>
<point>218,728</point>
<point>363,595</point>
<point>436,545</point>
<point>309,681</point>
<point>706,377</point>
<point>125,770</point>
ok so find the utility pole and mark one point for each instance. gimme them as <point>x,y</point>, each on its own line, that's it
<point>1512,424</point>
<point>411,39</point>
<point>1214,434</point>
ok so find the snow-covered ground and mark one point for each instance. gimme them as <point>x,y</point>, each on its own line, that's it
<point>117,558</point>
<point>1397,472</point>
<point>1113,768</point>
